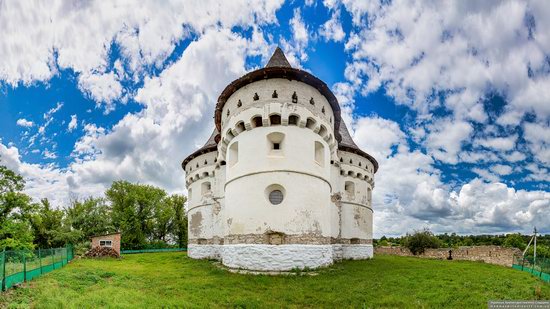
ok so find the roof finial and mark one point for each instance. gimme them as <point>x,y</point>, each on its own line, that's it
<point>278,59</point>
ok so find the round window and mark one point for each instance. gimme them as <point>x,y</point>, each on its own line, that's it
<point>276,197</point>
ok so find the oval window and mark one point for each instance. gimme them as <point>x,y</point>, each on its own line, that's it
<point>276,197</point>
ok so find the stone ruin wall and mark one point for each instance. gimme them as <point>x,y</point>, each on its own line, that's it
<point>489,254</point>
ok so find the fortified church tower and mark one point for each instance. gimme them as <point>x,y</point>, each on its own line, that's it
<point>280,184</point>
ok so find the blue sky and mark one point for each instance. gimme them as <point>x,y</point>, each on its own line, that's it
<point>452,99</point>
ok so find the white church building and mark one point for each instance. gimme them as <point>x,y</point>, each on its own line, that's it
<point>280,184</point>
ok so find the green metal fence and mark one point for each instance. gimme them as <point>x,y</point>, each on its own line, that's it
<point>539,268</point>
<point>152,250</point>
<point>18,266</point>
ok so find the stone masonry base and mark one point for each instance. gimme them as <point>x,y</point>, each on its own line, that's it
<point>260,257</point>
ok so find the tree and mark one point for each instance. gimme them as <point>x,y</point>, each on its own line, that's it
<point>89,217</point>
<point>15,212</point>
<point>47,225</point>
<point>420,241</point>
<point>179,227</point>
<point>514,241</point>
<point>132,211</point>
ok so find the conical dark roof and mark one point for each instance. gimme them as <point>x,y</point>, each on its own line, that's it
<point>279,67</point>
<point>278,60</point>
<point>210,145</point>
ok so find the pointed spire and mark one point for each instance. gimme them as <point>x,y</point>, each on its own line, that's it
<point>278,59</point>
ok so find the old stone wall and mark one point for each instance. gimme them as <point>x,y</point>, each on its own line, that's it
<point>488,254</point>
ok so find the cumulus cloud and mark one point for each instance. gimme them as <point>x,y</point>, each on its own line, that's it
<point>42,181</point>
<point>22,122</point>
<point>446,138</point>
<point>40,38</point>
<point>73,123</point>
<point>457,49</point>
<point>332,29</point>
<point>295,49</point>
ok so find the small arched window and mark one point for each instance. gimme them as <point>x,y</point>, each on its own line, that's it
<point>275,119</point>
<point>349,187</point>
<point>293,120</point>
<point>323,131</point>
<point>275,143</point>
<point>240,127</point>
<point>310,123</point>
<point>257,122</point>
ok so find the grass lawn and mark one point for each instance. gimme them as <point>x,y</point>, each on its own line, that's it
<point>172,279</point>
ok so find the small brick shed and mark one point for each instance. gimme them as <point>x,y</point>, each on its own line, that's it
<point>109,240</point>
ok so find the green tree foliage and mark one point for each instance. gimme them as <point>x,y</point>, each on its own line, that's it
<point>179,227</point>
<point>146,215</point>
<point>421,240</point>
<point>15,212</point>
<point>47,225</point>
<point>514,241</point>
<point>89,217</point>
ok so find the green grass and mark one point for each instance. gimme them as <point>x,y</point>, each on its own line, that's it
<point>172,279</point>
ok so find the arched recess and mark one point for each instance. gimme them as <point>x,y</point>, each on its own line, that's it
<point>310,123</point>
<point>323,131</point>
<point>256,121</point>
<point>275,120</point>
<point>293,120</point>
<point>320,153</point>
<point>233,154</point>
<point>239,127</point>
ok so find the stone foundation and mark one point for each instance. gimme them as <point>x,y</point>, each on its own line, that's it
<point>284,257</point>
<point>357,252</point>
<point>204,251</point>
<point>276,257</point>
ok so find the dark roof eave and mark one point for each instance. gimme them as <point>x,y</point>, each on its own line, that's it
<point>360,152</point>
<point>197,153</point>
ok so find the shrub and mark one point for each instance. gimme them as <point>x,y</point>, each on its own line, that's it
<point>418,242</point>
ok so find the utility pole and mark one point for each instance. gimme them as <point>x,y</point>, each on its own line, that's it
<point>535,249</point>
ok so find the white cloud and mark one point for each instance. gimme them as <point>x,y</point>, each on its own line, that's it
<point>499,143</point>
<point>102,88</point>
<point>501,169</point>
<point>295,49</point>
<point>40,37</point>
<point>42,181</point>
<point>538,138</point>
<point>73,123</point>
<point>49,154</point>
<point>332,29</point>
<point>24,123</point>
<point>446,138</point>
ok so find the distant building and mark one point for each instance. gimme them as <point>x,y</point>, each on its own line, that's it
<point>280,184</point>
<point>109,240</point>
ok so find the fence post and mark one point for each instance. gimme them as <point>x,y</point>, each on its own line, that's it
<point>24,267</point>
<point>53,260</point>
<point>40,260</point>
<point>4,269</point>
